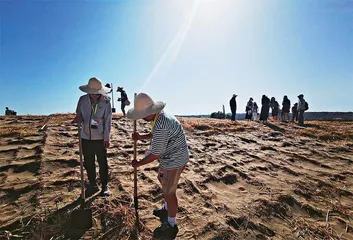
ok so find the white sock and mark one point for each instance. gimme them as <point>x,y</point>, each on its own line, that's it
<point>172,221</point>
<point>165,206</point>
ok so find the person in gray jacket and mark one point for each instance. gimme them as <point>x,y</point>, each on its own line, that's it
<point>95,113</point>
<point>301,109</point>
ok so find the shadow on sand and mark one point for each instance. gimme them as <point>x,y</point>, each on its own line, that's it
<point>274,127</point>
<point>52,224</point>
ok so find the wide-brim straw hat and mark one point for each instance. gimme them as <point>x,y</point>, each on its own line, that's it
<point>94,86</point>
<point>144,106</point>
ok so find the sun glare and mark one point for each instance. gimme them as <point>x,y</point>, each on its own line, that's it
<point>211,11</point>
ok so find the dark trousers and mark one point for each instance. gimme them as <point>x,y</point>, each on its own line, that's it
<point>301,118</point>
<point>91,149</point>
<point>234,114</point>
<point>123,106</point>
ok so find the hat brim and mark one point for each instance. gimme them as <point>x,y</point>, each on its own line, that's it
<point>87,89</point>
<point>134,114</point>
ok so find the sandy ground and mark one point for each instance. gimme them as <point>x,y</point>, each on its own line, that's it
<point>244,181</point>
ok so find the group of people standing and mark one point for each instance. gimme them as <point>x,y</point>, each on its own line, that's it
<point>278,114</point>
<point>9,112</point>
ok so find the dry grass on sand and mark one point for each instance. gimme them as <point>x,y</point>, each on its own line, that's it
<point>245,180</point>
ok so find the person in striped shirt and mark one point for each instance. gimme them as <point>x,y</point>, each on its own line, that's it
<point>169,146</point>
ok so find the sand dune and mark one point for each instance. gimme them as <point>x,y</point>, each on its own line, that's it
<point>244,181</point>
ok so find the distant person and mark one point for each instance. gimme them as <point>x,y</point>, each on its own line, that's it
<point>302,107</point>
<point>249,109</point>
<point>95,113</point>
<point>265,108</point>
<point>108,86</point>
<point>275,108</point>
<point>295,112</point>
<point>123,99</point>
<point>233,106</point>
<point>255,112</point>
<point>285,109</point>
<point>9,112</point>
<point>279,116</point>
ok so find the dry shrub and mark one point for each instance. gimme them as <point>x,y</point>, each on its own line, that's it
<point>209,125</point>
<point>328,130</point>
<point>21,126</point>
<point>113,219</point>
<point>313,230</point>
<point>18,131</point>
<point>117,220</point>
<point>60,119</point>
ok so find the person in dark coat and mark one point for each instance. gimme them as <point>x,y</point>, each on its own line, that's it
<point>295,112</point>
<point>275,108</point>
<point>265,109</point>
<point>249,109</point>
<point>285,109</point>
<point>233,106</point>
<point>8,112</point>
<point>123,99</point>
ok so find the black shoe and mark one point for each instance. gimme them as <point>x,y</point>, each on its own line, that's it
<point>105,192</point>
<point>165,232</point>
<point>91,189</point>
<point>162,213</point>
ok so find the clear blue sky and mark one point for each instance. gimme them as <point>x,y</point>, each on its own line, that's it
<point>191,54</point>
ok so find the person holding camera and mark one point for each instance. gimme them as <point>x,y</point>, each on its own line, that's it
<point>94,112</point>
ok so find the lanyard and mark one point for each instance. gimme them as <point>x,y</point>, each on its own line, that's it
<point>154,121</point>
<point>94,105</point>
<point>94,109</point>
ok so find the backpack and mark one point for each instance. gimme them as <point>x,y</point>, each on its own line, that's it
<point>306,106</point>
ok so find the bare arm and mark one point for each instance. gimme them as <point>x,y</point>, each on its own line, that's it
<point>148,159</point>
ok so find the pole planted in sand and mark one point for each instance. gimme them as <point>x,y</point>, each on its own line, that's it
<point>135,182</point>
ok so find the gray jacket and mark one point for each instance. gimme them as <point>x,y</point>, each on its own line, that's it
<point>301,104</point>
<point>102,118</point>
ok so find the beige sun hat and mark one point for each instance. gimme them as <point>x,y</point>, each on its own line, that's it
<point>144,106</point>
<point>94,86</point>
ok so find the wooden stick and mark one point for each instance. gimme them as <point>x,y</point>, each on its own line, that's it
<point>42,128</point>
<point>135,178</point>
<point>327,216</point>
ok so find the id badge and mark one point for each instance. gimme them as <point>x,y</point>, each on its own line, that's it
<point>94,124</point>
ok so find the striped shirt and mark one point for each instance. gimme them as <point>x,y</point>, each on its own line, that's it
<point>169,142</point>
